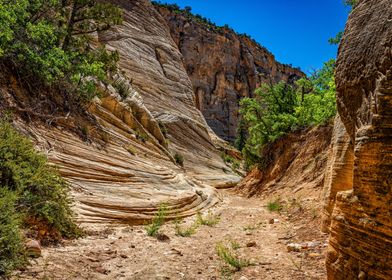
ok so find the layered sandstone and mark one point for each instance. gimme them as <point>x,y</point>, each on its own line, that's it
<point>223,67</point>
<point>361,229</point>
<point>119,158</point>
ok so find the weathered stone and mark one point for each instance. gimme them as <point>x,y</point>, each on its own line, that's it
<point>361,228</point>
<point>33,248</point>
<point>122,168</point>
<point>223,67</point>
<point>339,169</point>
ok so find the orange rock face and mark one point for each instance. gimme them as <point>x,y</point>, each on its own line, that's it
<point>223,68</point>
<point>361,229</point>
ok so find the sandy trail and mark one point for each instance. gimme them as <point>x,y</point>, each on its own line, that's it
<point>126,252</point>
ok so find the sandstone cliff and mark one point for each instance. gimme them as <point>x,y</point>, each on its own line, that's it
<point>119,158</point>
<point>223,67</point>
<point>360,244</point>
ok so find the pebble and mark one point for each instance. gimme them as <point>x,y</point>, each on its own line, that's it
<point>33,248</point>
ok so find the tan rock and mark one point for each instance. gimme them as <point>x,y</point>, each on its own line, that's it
<point>361,228</point>
<point>33,248</point>
<point>122,167</point>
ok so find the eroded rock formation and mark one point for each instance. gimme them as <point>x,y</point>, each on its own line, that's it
<point>223,67</point>
<point>121,165</point>
<point>296,163</point>
<point>361,228</point>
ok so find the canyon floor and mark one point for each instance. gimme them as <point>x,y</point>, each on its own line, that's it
<point>126,252</point>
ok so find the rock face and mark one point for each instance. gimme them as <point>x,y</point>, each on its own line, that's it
<point>339,169</point>
<point>361,229</point>
<point>223,68</point>
<point>297,164</point>
<point>121,164</point>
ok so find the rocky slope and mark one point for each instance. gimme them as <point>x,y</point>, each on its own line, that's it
<point>119,158</point>
<point>361,229</point>
<point>297,163</point>
<point>223,67</point>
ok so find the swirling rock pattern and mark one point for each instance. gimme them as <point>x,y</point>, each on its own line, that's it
<point>127,173</point>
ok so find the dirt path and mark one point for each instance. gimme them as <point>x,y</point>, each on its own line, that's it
<point>126,252</point>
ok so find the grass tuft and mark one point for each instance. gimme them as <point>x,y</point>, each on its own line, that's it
<point>179,159</point>
<point>157,222</point>
<point>227,256</point>
<point>209,220</point>
<point>274,206</point>
<point>185,231</point>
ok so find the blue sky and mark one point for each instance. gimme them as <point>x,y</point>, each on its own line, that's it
<point>296,32</point>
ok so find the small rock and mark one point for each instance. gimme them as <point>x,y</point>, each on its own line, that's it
<point>362,275</point>
<point>313,244</point>
<point>133,246</point>
<point>176,251</point>
<point>251,244</point>
<point>124,256</point>
<point>102,270</point>
<point>163,237</point>
<point>294,247</point>
<point>271,221</point>
<point>314,255</point>
<point>33,248</point>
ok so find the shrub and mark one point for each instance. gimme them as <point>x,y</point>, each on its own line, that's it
<point>34,190</point>
<point>158,220</point>
<point>235,245</point>
<point>278,109</point>
<point>274,206</point>
<point>163,128</point>
<point>11,246</point>
<point>41,192</point>
<point>226,255</point>
<point>179,159</point>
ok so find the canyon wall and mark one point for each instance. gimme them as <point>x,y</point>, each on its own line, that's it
<point>360,244</point>
<point>223,67</point>
<point>123,158</point>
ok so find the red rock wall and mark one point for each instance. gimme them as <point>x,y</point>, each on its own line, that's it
<point>223,68</point>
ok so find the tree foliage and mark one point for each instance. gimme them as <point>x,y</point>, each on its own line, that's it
<point>278,109</point>
<point>34,190</point>
<point>52,40</point>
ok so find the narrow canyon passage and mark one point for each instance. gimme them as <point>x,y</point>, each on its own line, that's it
<point>285,245</point>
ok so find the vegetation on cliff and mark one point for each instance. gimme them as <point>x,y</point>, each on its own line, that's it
<point>51,42</point>
<point>33,196</point>
<point>278,109</point>
<point>208,23</point>
<point>47,44</point>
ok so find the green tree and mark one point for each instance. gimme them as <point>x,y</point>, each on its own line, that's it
<point>278,109</point>
<point>52,41</point>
